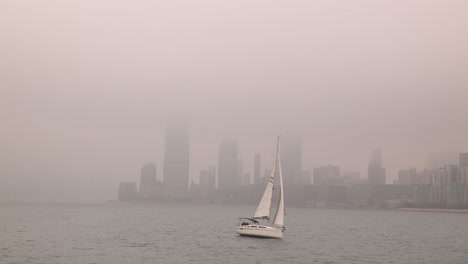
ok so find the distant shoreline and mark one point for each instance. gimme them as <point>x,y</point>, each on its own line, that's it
<point>464,211</point>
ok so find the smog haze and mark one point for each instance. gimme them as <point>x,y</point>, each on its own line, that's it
<point>87,88</point>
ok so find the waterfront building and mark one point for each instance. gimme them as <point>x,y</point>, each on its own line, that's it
<point>257,169</point>
<point>291,161</point>
<point>227,168</point>
<point>375,170</point>
<point>147,180</point>
<point>176,162</point>
<point>327,175</point>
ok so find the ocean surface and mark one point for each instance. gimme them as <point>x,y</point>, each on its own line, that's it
<point>139,233</point>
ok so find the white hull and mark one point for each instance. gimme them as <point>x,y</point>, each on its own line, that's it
<point>260,231</point>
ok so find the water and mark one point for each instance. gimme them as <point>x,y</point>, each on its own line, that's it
<point>205,234</point>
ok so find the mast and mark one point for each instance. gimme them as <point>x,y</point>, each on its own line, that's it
<point>263,209</point>
<point>279,216</point>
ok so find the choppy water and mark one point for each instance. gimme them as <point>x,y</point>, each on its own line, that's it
<point>205,234</point>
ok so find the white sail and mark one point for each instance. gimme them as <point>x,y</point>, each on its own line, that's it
<point>263,209</point>
<point>274,230</point>
<point>279,217</point>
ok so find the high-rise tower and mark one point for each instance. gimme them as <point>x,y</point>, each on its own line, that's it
<point>375,171</point>
<point>257,169</point>
<point>227,167</point>
<point>147,180</point>
<point>148,175</point>
<point>291,161</point>
<point>176,161</point>
<point>463,160</point>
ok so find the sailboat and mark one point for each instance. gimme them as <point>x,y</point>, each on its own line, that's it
<point>260,225</point>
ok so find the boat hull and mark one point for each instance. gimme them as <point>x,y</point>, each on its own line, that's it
<point>260,231</point>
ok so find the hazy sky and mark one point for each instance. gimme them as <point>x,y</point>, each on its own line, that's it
<point>86,87</point>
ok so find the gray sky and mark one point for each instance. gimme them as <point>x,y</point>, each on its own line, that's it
<point>86,87</point>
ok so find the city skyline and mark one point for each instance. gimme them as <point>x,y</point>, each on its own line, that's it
<point>142,131</point>
<point>88,88</point>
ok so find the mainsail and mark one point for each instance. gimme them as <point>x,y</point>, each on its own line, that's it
<point>279,217</point>
<point>263,209</point>
<point>274,227</point>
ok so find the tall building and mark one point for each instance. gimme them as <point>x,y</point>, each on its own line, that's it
<point>208,182</point>
<point>375,171</point>
<point>257,169</point>
<point>176,162</point>
<point>246,179</point>
<point>147,180</point>
<point>212,177</point>
<point>408,177</point>
<point>436,160</point>
<point>352,177</point>
<point>464,175</point>
<point>306,177</point>
<point>463,160</point>
<point>227,167</point>
<point>327,175</point>
<point>291,161</point>
<point>240,172</point>
<point>445,184</point>
<point>148,174</point>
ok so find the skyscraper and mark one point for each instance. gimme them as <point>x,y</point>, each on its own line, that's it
<point>257,169</point>
<point>375,171</point>
<point>240,172</point>
<point>291,161</point>
<point>227,167</point>
<point>147,180</point>
<point>327,175</point>
<point>207,182</point>
<point>148,175</point>
<point>352,177</point>
<point>445,185</point>
<point>212,177</point>
<point>463,160</point>
<point>176,161</point>
<point>246,179</point>
<point>306,177</point>
<point>408,177</point>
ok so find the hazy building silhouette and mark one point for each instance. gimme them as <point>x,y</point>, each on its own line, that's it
<point>240,172</point>
<point>463,160</point>
<point>436,160</point>
<point>352,177</point>
<point>463,163</point>
<point>306,177</point>
<point>375,171</point>
<point>408,177</point>
<point>147,181</point>
<point>327,175</point>
<point>291,161</point>
<point>127,192</point>
<point>207,183</point>
<point>148,174</point>
<point>246,179</point>
<point>227,167</point>
<point>212,177</point>
<point>464,174</point>
<point>257,169</point>
<point>443,182</point>
<point>176,162</point>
